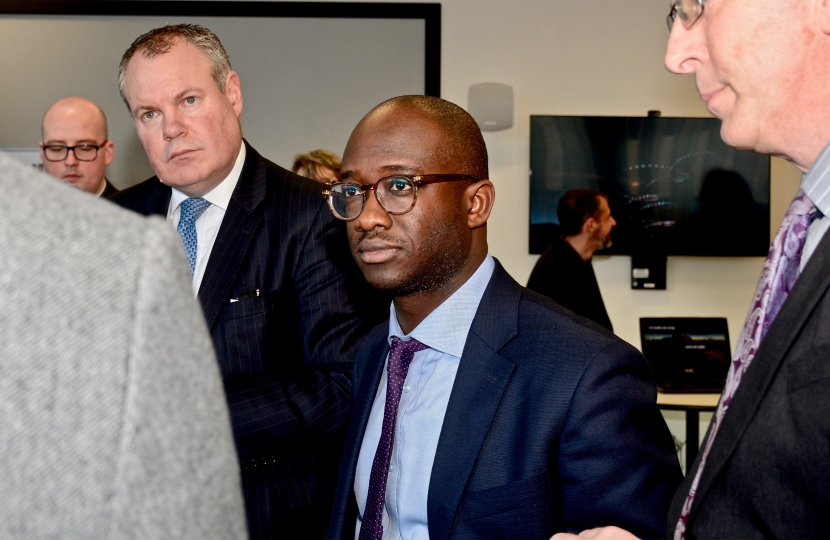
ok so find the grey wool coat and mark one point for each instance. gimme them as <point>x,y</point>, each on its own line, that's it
<point>113,422</point>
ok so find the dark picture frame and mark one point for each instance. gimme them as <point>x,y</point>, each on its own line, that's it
<point>430,13</point>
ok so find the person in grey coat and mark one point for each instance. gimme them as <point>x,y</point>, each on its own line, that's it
<point>113,422</point>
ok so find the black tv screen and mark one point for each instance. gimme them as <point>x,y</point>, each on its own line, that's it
<point>673,185</point>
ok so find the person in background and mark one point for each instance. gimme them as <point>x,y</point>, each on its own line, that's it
<point>763,469</point>
<point>320,165</point>
<point>482,409</point>
<point>271,269</point>
<point>564,272</point>
<point>113,418</point>
<point>75,146</point>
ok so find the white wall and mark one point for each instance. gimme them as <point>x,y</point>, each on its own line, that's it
<point>571,57</point>
<point>306,82</point>
<point>564,57</point>
<point>604,57</point>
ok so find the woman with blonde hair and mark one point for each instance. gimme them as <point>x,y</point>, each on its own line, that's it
<point>320,165</point>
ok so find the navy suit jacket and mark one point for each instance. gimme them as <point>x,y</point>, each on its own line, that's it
<point>552,425</point>
<point>286,353</point>
<point>768,473</point>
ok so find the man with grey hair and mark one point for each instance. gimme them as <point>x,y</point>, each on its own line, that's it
<point>270,267</point>
<point>762,68</point>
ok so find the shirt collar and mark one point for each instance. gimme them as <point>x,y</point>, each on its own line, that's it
<point>816,182</point>
<point>103,188</point>
<point>220,195</point>
<point>446,328</point>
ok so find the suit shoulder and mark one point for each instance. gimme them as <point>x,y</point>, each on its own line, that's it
<point>296,185</point>
<point>133,196</point>
<point>551,327</point>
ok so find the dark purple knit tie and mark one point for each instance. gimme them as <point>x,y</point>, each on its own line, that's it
<point>400,356</point>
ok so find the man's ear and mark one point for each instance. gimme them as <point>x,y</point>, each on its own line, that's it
<point>823,16</point>
<point>109,152</point>
<point>479,198</point>
<point>589,226</point>
<point>233,91</point>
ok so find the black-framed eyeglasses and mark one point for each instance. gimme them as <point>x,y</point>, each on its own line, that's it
<point>83,152</point>
<point>689,12</point>
<point>396,194</point>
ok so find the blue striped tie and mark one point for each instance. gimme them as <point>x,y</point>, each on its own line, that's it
<point>190,210</point>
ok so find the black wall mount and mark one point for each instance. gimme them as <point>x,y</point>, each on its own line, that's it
<point>648,271</point>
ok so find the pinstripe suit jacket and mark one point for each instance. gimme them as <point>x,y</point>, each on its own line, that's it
<point>285,353</point>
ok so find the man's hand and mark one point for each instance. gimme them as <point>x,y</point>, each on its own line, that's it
<point>601,533</point>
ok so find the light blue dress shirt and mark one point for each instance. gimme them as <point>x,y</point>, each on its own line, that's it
<point>816,184</point>
<point>423,404</point>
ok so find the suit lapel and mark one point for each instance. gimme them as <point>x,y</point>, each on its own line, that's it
<point>370,365</point>
<point>479,384</point>
<point>798,307</point>
<point>234,236</point>
<point>157,201</point>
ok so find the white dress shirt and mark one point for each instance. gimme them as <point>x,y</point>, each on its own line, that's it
<point>207,226</point>
<point>816,184</point>
<point>424,400</point>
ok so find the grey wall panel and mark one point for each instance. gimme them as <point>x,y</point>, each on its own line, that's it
<point>305,81</point>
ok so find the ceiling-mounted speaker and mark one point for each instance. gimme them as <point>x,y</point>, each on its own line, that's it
<point>491,105</point>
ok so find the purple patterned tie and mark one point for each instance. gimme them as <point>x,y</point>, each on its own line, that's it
<point>778,277</point>
<point>400,356</point>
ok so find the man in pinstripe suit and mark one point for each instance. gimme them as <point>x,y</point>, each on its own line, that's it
<point>270,267</point>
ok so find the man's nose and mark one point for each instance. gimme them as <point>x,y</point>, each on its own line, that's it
<point>686,48</point>
<point>173,126</point>
<point>71,160</point>
<point>373,215</point>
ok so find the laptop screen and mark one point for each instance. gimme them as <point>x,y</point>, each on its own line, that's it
<point>687,354</point>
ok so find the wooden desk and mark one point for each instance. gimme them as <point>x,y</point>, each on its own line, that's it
<point>692,404</point>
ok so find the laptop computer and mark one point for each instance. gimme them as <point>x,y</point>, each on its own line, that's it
<point>687,354</point>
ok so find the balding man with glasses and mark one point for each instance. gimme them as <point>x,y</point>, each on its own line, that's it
<point>481,409</point>
<point>75,147</point>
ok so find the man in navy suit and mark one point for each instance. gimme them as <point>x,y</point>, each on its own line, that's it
<point>482,409</point>
<point>269,265</point>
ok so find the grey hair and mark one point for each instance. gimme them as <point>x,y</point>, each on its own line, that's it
<point>159,41</point>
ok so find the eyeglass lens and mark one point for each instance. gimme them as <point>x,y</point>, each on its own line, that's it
<point>395,194</point>
<point>689,11</point>
<point>83,152</point>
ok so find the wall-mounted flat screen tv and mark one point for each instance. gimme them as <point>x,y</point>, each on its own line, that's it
<point>674,186</point>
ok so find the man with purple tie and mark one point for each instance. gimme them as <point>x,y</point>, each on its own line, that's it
<point>762,68</point>
<point>481,409</point>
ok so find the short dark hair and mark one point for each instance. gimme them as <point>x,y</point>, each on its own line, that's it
<point>466,142</point>
<point>159,41</point>
<point>575,207</point>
